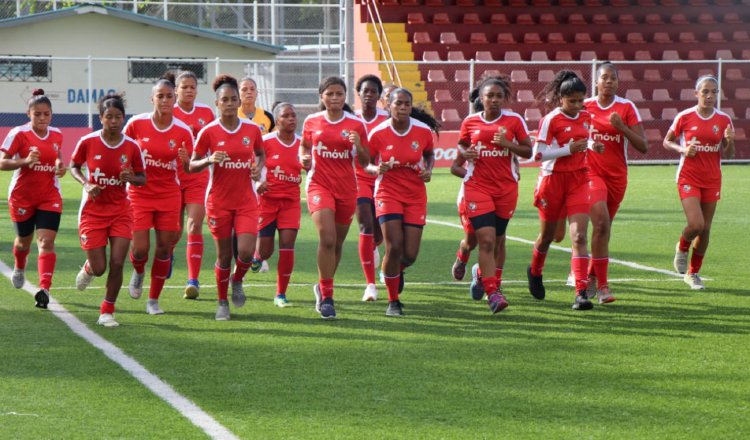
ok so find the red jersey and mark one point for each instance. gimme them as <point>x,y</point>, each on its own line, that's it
<point>333,155</point>
<point>230,183</point>
<point>556,130</point>
<point>496,167</point>
<point>405,152</point>
<point>380,116</point>
<point>159,148</point>
<point>283,167</point>
<point>703,169</point>
<point>613,162</point>
<point>39,182</point>
<point>196,119</point>
<point>104,164</point>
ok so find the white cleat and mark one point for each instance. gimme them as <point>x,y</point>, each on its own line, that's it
<point>371,293</point>
<point>135,287</point>
<point>264,267</point>
<point>680,260</point>
<point>83,279</point>
<point>238,294</point>
<point>152,307</point>
<point>591,287</point>
<point>318,297</point>
<point>107,320</point>
<point>571,282</point>
<point>18,278</point>
<point>694,281</point>
<point>222,311</point>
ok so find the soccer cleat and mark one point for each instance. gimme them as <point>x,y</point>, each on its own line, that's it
<point>381,277</point>
<point>694,281</point>
<point>605,296</point>
<point>192,289</point>
<point>326,309</point>
<point>590,287</point>
<point>255,265</point>
<point>536,285</point>
<point>395,308</point>
<point>680,259</point>
<point>582,303</point>
<point>42,298</point>
<point>458,270</point>
<point>376,257</point>
<point>316,292</point>
<point>222,311</point>
<point>264,267</point>
<point>280,301</point>
<point>83,279</point>
<point>107,320</point>
<point>18,278</point>
<point>477,288</point>
<point>152,307</point>
<point>497,302</point>
<point>238,294</point>
<point>135,287</point>
<point>571,281</point>
<point>401,282</point>
<point>371,293</point>
<point>171,265</point>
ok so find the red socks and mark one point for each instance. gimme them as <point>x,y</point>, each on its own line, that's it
<point>600,268</point>
<point>579,266</point>
<point>46,267</point>
<point>366,255</point>
<point>326,288</point>
<point>138,265</point>
<point>194,255</point>
<point>490,285</point>
<point>684,244</point>
<point>240,269</point>
<point>20,257</point>
<point>696,261</point>
<point>107,307</point>
<point>222,282</point>
<point>284,269</point>
<point>464,258</point>
<point>159,271</point>
<point>391,285</point>
<point>499,275</point>
<point>537,262</point>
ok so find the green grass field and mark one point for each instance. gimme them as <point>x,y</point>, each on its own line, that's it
<point>661,362</point>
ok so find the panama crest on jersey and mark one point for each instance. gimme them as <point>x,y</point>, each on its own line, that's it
<point>123,160</point>
<point>246,141</point>
<point>212,221</point>
<point>84,238</point>
<point>415,146</point>
<point>472,206</point>
<point>201,121</point>
<point>316,199</point>
<point>715,129</point>
<point>686,188</point>
<point>56,147</point>
<point>344,134</point>
<point>172,144</point>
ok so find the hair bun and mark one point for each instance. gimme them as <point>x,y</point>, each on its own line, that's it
<point>37,92</point>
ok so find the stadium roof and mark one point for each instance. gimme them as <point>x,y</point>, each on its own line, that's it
<point>90,8</point>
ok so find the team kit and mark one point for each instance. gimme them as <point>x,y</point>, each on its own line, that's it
<point>238,169</point>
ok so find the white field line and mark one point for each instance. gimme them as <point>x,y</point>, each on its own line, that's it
<point>161,389</point>
<point>630,264</point>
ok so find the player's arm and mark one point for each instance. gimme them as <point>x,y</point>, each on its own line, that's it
<point>544,152</point>
<point>521,148</point>
<point>670,144</point>
<point>363,156</point>
<point>9,163</point>
<point>465,150</point>
<point>260,161</point>
<point>728,142</point>
<point>428,156</point>
<point>305,154</point>
<point>457,167</point>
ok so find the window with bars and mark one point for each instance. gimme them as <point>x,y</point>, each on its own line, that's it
<point>25,70</point>
<point>146,72</point>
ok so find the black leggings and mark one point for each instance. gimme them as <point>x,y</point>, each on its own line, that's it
<point>40,220</point>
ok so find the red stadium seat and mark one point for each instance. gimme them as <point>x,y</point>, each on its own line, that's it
<point>415,18</point>
<point>525,96</point>
<point>422,38</point>
<point>735,75</point>
<point>431,56</point>
<point>646,2</point>
<point>616,55</point>
<point>634,95</point>
<point>654,19</point>
<point>493,3</point>
<point>662,38</point>
<point>625,75</point>
<point>588,55</point>
<point>472,18</point>
<point>548,19</point>
<point>436,75</point>
<point>525,19</point>
<point>724,54</point>
<point>739,134</point>
<point>668,114</point>
<point>491,73</point>
<point>532,38</point>
<point>513,56</point>
<point>541,3</point>
<point>505,38</point>
<point>556,38</point>
<point>687,95</point>
<point>465,95</point>
<point>627,20</point>
<point>706,18</point>
<point>687,37</point>
<point>478,38</point>
<point>409,2</point>
<point>732,18</point>
<point>388,2</point>
<point>563,55</point>
<point>519,76</point>
<point>438,3</point>
<point>670,2</point>
<point>532,115</point>
<point>539,56</point>
<point>518,3</point>
<point>679,19</point>
<point>642,55</point>
<point>448,38</point>
<point>483,55</point>
<point>591,3</point>
<point>499,19</point>
<point>619,2</point>
<point>661,95</point>
<point>443,96</point>
<point>600,19</point>
<point>670,55</point>
<point>441,18</point>
<point>582,38</point>
<point>697,2</point>
<point>466,3</point>
<point>740,36</point>
<point>635,38</point>
<point>645,114</point>
<point>696,55</point>
<point>716,37</point>
<point>680,75</point>
<point>546,76</point>
<point>609,38</point>
<point>653,136</point>
<point>652,75</point>
<point>462,76</point>
<point>577,19</point>
<point>450,115</point>
<point>742,93</point>
<point>745,55</point>
<point>456,55</point>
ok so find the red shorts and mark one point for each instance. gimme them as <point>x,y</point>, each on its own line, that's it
<point>243,220</point>
<point>285,212</point>
<point>465,222</point>
<point>608,191</point>
<point>561,195</point>
<point>194,193</point>
<point>365,188</point>
<point>706,195</point>
<point>94,229</point>
<point>479,203</point>
<point>159,214</point>
<point>321,198</point>
<point>414,213</point>
<point>20,211</point>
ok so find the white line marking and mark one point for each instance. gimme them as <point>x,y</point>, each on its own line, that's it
<point>164,391</point>
<point>630,264</point>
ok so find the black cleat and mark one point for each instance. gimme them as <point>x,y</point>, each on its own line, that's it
<point>326,309</point>
<point>582,303</point>
<point>42,298</point>
<point>395,308</point>
<point>536,286</point>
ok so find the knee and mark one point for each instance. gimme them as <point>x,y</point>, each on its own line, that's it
<point>696,227</point>
<point>45,244</point>
<point>98,269</point>
<point>408,260</point>
<point>578,239</point>
<point>487,245</point>
<point>601,227</point>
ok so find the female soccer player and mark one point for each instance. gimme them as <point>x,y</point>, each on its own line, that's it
<point>369,88</point>
<point>279,197</point>
<point>616,124</point>
<point>233,148</point>
<point>330,139</point>
<point>491,140</point>
<point>403,145</point>
<point>701,135</point>
<point>192,185</point>
<point>562,189</point>
<point>248,109</point>
<point>113,160</point>
<point>165,142</point>
<point>32,152</point>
